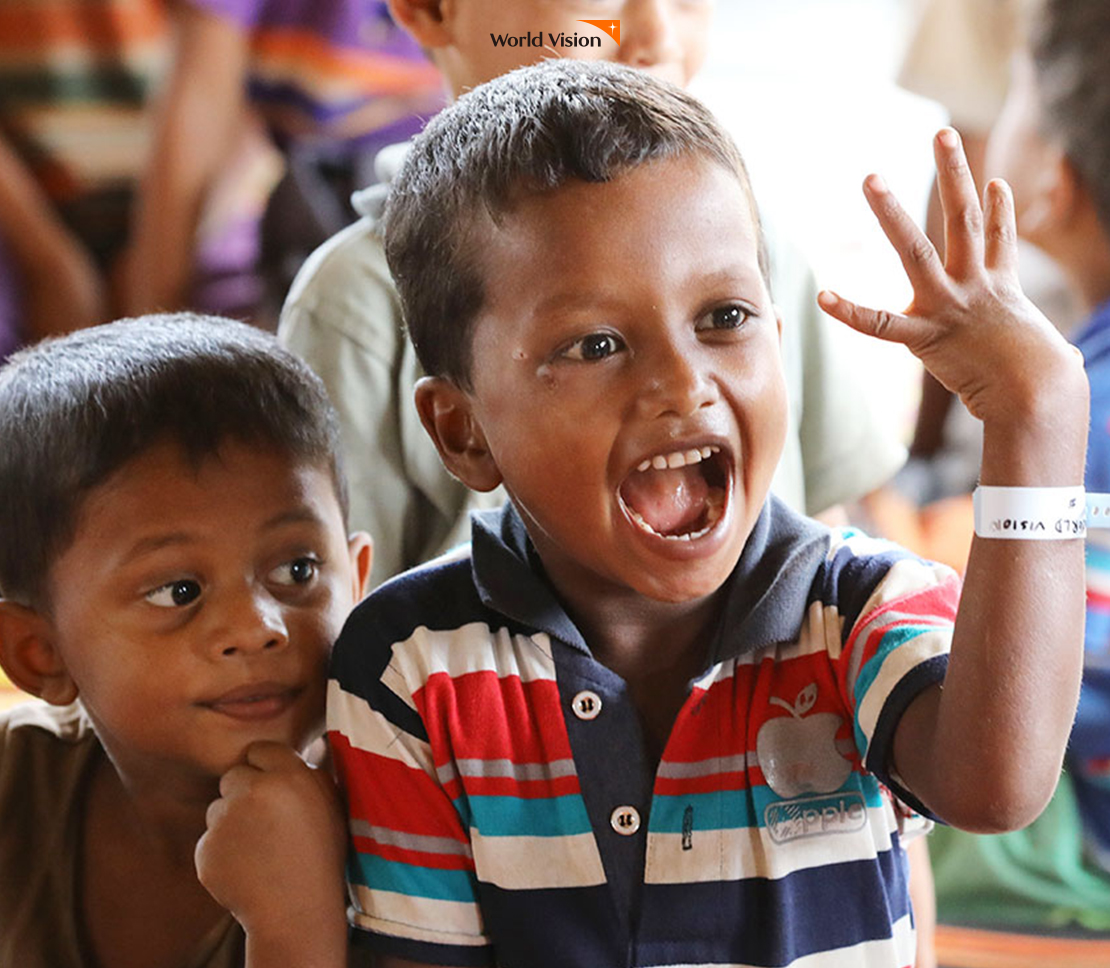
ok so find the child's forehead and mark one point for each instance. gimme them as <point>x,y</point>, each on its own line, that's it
<point>165,482</point>
<point>575,210</point>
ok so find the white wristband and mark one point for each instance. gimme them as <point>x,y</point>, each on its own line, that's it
<point>1030,513</point>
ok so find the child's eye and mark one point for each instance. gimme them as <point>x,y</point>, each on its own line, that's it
<point>295,572</point>
<point>174,594</point>
<point>596,346</point>
<point>724,317</point>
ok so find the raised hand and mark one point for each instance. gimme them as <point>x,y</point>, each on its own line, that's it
<point>969,322</point>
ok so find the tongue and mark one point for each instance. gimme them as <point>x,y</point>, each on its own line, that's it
<point>671,501</point>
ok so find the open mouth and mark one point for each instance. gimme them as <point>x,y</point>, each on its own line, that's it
<point>679,495</point>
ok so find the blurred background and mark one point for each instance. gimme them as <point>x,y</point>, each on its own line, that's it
<point>808,89</point>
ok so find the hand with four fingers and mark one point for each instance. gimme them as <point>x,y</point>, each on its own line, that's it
<point>969,322</point>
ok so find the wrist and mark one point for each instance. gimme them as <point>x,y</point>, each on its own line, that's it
<point>313,941</point>
<point>1038,436</point>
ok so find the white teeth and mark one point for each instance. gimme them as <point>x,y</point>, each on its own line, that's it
<point>678,458</point>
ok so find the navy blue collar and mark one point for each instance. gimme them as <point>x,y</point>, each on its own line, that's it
<point>765,598</point>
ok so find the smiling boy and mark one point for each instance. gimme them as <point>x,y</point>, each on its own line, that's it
<point>343,314</point>
<point>175,566</point>
<point>651,716</point>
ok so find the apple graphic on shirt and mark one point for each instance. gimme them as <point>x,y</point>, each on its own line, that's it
<point>798,753</point>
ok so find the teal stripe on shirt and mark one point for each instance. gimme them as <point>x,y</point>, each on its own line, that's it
<point>379,874</point>
<point>508,816</point>
<point>731,809</point>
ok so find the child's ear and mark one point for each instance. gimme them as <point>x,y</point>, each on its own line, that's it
<point>427,20</point>
<point>30,657</point>
<point>448,417</point>
<point>361,549</point>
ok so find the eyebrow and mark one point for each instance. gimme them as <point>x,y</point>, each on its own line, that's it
<point>738,274</point>
<point>146,546</point>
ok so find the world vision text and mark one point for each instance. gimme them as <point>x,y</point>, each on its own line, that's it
<point>537,40</point>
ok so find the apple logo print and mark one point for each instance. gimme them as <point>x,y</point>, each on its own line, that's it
<point>798,755</point>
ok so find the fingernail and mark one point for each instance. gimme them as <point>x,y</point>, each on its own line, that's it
<point>876,183</point>
<point>827,299</point>
<point>949,138</point>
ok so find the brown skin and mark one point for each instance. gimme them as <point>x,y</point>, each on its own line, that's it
<point>197,123</point>
<point>241,532</point>
<point>62,288</point>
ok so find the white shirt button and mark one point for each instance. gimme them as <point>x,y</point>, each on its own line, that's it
<point>625,820</point>
<point>586,704</point>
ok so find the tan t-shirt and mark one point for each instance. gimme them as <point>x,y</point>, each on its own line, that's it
<point>46,758</point>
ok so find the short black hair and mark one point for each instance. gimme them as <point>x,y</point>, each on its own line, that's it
<point>530,130</point>
<point>1070,44</point>
<point>75,409</point>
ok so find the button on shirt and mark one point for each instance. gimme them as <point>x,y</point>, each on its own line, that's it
<point>500,815</point>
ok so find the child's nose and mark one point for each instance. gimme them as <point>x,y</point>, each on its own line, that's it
<point>649,33</point>
<point>252,621</point>
<point>676,384</point>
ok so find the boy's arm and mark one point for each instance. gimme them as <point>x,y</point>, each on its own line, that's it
<point>984,750</point>
<point>196,122</point>
<point>62,288</point>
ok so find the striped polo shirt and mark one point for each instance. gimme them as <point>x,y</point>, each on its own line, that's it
<point>333,70</point>
<point>75,76</point>
<point>502,807</point>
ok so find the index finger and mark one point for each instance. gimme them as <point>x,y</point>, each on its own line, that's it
<point>919,257</point>
<point>267,755</point>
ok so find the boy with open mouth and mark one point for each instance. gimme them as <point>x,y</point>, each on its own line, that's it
<point>651,716</point>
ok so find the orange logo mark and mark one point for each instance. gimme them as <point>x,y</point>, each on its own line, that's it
<point>611,27</point>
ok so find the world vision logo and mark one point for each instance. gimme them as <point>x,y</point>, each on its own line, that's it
<point>611,27</point>
<point>562,39</point>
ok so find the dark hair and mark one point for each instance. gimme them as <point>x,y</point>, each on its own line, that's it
<point>76,409</point>
<point>1070,43</point>
<point>531,130</point>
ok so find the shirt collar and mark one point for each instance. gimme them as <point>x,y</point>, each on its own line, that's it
<point>766,596</point>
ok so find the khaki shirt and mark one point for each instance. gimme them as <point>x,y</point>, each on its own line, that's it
<point>47,754</point>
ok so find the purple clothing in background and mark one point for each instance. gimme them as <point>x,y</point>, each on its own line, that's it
<point>9,305</point>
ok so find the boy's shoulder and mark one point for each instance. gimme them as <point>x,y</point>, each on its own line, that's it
<point>41,747</point>
<point>38,723</point>
<point>46,753</point>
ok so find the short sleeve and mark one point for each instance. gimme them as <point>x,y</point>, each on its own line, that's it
<point>410,868</point>
<point>895,646</point>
